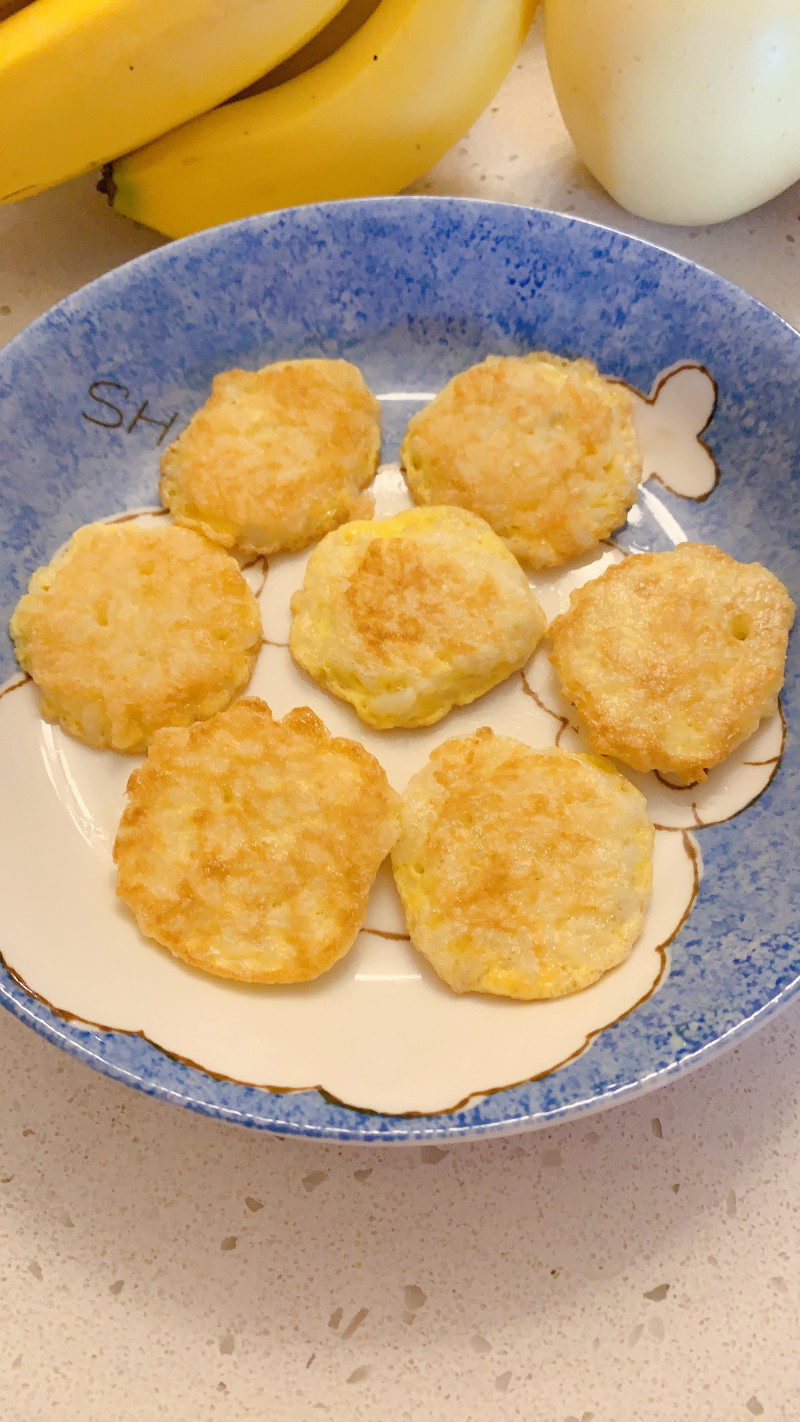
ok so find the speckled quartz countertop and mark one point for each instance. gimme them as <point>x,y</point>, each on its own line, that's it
<point>639,1264</point>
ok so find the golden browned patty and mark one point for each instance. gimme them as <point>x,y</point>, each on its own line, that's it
<point>672,659</point>
<point>542,447</point>
<point>135,626</point>
<point>248,846</point>
<point>408,616</point>
<point>276,457</point>
<point>523,873</point>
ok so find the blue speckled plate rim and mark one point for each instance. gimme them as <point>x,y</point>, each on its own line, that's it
<point>307,1113</point>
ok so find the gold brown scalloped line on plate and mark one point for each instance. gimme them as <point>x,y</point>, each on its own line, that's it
<point>132,514</point>
<point>565,723</point>
<point>672,785</point>
<point>473,1096</point>
<point>15,685</point>
<point>773,760</point>
<point>328,1096</point>
<point>652,399</point>
<point>262,559</point>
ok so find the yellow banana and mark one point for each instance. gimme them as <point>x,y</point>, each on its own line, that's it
<point>10,7</point>
<point>84,80</point>
<point>368,119</point>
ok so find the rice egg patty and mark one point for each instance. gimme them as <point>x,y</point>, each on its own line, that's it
<point>544,448</point>
<point>276,457</point>
<point>248,846</point>
<point>672,659</point>
<point>523,873</point>
<point>135,626</point>
<point>408,616</point>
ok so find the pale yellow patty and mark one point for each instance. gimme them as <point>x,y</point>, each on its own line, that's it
<point>523,873</point>
<point>276,457</point>
<point>406,617</point>
<point>136,626</point>
<point>248,846</point>
<point>672,659</point>
<point>542,447</point>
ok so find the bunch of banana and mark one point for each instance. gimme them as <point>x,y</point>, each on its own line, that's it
<point>84,80</point>
<point>374,92</point>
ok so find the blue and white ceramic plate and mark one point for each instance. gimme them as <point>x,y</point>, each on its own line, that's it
<point>412,290</point>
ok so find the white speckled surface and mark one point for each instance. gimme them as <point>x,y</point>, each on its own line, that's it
<point>642,1264</point>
